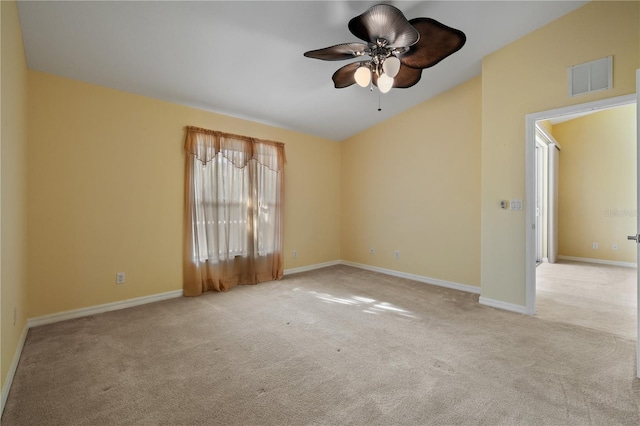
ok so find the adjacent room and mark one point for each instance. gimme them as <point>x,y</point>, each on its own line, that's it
<point>589,277</point>
<point>363,163</point>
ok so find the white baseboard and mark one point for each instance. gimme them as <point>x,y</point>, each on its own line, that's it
<point>98,309</point>
<point>503,305</point>
<point>12,368</point>
<point>311,267</point>
<point>599,261</point>
<point>448,284</point>
<point>419,278</point>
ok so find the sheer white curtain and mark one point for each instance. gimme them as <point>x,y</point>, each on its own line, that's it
<point>233,211</point>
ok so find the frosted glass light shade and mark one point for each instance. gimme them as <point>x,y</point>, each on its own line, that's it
<point>385,83</point>
<point>363,76</point>
<point>391,66</point>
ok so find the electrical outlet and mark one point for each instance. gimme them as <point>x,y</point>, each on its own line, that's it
<point>372,250</point>
<point>295,254</point>
<point>595,246</point>
<point>120,278</point>
<point>397,254</point>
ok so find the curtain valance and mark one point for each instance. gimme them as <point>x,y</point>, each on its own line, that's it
<point>205,144</point>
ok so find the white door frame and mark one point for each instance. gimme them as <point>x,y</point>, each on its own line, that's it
<point>530,204</point>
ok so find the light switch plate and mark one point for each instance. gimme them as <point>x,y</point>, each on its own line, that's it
<point>515,205</point>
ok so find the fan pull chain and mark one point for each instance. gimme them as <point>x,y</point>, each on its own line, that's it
<point>379,103</point>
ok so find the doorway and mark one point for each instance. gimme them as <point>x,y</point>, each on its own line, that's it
<point>532,232</point>
<point>589,283</point>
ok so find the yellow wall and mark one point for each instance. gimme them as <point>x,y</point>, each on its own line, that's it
<point>597,184</point>
<point>546,126</point>
<point>530,75</point>
<point>106,193</point>
<point>13,188</point>
<point>412,183</point>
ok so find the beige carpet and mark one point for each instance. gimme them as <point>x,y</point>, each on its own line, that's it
<point>335,346</point>
<point>600,297</point>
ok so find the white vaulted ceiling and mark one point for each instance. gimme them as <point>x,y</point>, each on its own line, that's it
<point>245,59</point>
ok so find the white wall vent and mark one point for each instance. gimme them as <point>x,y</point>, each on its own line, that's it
<point>591,76</point>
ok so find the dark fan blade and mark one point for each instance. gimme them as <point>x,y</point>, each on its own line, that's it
<point>344,77</point>
<point>387,22</point>
<point>338,52</point>
<point>406,77</point>
<point>437,41</point>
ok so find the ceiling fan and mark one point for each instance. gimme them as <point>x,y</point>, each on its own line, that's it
<point>398,49</point>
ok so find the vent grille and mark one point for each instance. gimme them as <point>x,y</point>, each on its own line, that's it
<point>591,76</point>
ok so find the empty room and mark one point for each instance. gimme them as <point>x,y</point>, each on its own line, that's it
<point>304,212</point>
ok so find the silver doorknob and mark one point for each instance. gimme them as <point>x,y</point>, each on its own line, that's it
<point>633,238</point>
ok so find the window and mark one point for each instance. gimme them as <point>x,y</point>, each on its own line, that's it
<point>233,209</point>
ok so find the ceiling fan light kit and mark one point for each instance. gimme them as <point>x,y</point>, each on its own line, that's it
<point>399,49</point>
